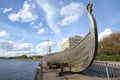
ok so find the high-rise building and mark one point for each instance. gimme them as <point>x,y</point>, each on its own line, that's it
<point>70,41</point>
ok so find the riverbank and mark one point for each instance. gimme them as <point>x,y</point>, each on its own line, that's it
<point>38,60</point>
<point>23,57</point>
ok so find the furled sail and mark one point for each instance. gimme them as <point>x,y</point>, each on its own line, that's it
<point>80,56</point>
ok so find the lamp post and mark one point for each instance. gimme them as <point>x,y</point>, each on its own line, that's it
<point>101,48</point>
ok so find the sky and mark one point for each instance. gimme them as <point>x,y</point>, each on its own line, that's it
<point>26,26</point>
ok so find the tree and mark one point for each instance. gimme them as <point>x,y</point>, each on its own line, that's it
<point>22,57</point>
<point>36,57</point>
<point>110,45</point>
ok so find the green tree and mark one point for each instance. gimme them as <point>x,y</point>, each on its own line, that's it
<point>22,57</point>
<point>36,57</point>
<point>110,45</point>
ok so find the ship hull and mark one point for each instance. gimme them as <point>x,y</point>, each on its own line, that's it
<point>80,56</point>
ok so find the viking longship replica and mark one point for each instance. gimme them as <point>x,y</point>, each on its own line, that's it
<point>80,56</point>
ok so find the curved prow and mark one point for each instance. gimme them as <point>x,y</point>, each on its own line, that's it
<point>93,29</point>
<point>93,25</point>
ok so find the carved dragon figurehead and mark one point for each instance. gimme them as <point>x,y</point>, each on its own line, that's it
<point>89,7</point>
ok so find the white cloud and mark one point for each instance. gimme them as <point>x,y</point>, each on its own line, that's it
<point>22,46</point>
<point>3,33</point>
<point>45,44</point>
<point>17,53</point>
<point>6,45</point>
<point>10,48</point>
<point>50,15</point>
<point>7,53</point>
<point>42,47</point>
<point>107,32</point>
<point>72,12</point>
<point>5,10</point>
<point>39,25</point>
<point>41,31</point>
<point>21,40</point>
<point>26,14</point>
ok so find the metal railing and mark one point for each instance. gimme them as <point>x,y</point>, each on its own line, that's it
<point>104,70</point>
<point>38,72</point>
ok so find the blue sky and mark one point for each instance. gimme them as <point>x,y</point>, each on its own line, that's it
<point>26,25</point>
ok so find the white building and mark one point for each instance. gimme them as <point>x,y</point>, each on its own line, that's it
<point>70,41</point>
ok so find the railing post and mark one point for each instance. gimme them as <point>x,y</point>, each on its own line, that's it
<point>38,72</point>
<point>62,67</point>
<point>107,72</point>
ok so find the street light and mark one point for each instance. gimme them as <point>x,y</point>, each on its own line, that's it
<point>101,48</point>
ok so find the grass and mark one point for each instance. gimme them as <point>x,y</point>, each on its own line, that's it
<point>108,58</point>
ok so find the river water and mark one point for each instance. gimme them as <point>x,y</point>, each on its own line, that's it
<point>11,69</point>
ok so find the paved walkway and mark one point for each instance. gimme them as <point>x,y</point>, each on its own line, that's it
<point>52,74</point>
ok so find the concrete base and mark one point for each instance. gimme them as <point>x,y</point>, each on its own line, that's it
<point>52,74</point>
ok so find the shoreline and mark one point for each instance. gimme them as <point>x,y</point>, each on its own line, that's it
<point>22,59</point>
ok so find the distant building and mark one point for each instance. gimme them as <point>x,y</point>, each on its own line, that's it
<point>70,41</point>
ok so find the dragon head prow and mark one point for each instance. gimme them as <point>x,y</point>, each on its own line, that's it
<point>89,7</point>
